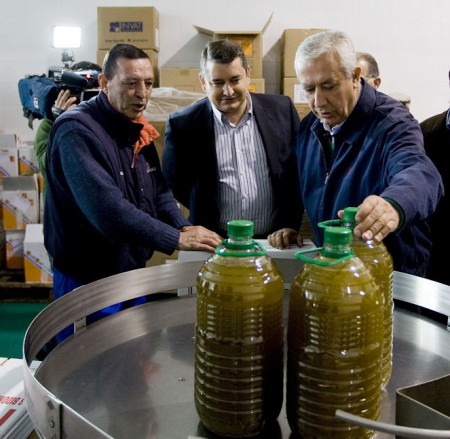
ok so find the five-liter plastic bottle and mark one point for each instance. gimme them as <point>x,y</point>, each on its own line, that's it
<point>239,337</point>
<point>335,339</point>
<point>379,261</point>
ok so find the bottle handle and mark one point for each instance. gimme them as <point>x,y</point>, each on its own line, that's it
<point>330,223</point>
<point>223,249</point>
<point>301,255</point>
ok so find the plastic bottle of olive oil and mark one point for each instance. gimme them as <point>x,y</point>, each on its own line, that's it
<point>379,261</point>
<point>335,339</point>
<point>239,337</point>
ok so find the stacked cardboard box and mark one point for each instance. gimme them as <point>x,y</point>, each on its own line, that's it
<point>186,78</point>
<point>8,156</point>
<point>290,41</point>
<point>138,26</point>
<point>181,78</point>
<point>21,207</point>
<point>15,422</point>
<point>36,260</point>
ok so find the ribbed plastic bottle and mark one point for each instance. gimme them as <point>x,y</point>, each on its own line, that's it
<point>379,261</point>
<point>335,339</point>
<point>239,337</point>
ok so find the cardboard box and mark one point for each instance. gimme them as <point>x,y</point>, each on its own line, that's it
<point>14,248</point>
<point>159,258</point>
<point>28,163</point>
<point>130,25</point>
<point>291,88</point>
<point>181,78</point>
<point>249,40</point>
<point>257,85</point>
<point>8,160</point>
<point>151,53</point>
<point>20,202</point>
<point>15,421</point>
<point>2,245</point>
<point>290,41</point>
<point>36,261</point>
<point>302,109</point>
<point>8,140</point>
<point>186,79</point>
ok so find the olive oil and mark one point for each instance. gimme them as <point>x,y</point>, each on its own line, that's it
<point>379,261</point>
<point>239,337</point>
<point>335,340</point>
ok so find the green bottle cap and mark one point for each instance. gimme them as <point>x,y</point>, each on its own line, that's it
<point>338,236</point>
<point>238,229</point>
<point>350,214</point>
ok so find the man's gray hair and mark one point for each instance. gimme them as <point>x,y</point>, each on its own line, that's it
<point>323,42</point>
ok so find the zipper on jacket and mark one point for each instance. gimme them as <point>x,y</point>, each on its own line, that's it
<point>324,158</point>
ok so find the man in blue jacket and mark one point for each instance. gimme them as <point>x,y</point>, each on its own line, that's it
<point>362,148</point>
<point>107,206</point>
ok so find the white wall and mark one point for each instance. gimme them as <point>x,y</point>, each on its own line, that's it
<point>409,38</point>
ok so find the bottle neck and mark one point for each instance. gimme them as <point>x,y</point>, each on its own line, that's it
<point>240,247</point>
<point>239,243</point>
<point>336,251</point>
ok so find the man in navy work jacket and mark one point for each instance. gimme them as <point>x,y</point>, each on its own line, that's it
<point>107,206</point>
<point>230,155</point>
<point>362,148</point>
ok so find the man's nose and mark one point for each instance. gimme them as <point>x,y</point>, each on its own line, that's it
<point>141,89</point>
<point>319,98</point>
<point>227,89</point>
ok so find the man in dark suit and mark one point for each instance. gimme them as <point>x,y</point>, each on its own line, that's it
<point>230,155</point>
<point>436,135</point>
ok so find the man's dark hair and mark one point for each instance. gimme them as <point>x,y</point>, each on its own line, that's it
<point>126,51</point>
<point>86,65</point>
<point>221,52</point>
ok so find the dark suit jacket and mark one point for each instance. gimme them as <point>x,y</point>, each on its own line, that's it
<point>190,163</point>
<point>437,146</point>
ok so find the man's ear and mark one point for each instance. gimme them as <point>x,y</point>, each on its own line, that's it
<point>376,82</point>
<point>103,82</point>
<point>202,82</point>
<point>357,74</point>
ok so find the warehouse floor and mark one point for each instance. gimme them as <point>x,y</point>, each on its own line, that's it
<point>15,318</point>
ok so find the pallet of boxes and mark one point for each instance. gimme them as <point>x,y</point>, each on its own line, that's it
<point>290,41</point>
<point>21,192</point>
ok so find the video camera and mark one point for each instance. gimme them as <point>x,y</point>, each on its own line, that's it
<point>77,81</point>
<point>38,93</point>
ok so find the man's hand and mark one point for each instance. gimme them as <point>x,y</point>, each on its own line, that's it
<point>284,238</point>
<point>63,102</point>
<point>376,218</point>
<point>198,238</point>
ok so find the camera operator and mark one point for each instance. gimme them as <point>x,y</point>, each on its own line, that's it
<point>63,102</point>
